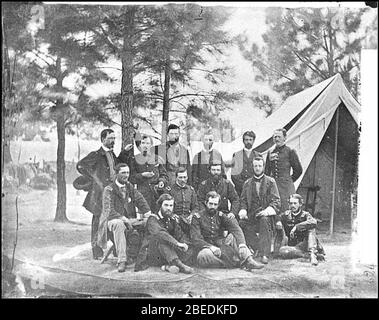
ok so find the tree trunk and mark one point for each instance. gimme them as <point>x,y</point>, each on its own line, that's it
<point>127,103</point>
<point>60,214</point>
<point>166,99</point>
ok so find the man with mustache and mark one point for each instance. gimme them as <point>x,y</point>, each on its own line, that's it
<point>216,182</point>
<point>120,200</point>
<point>148,171</point>
<point>279,163</point>
<point>185,204</point>
<point>174,154</point>
<point>242,162</point>
<point>298,227</point>
<point>260,204</point>
<point>201,161</point>
<point>98,170</point>
<point>212,249</point>
<point>165,244</point>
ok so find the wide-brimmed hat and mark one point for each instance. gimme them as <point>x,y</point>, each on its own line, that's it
<point>82,183</point>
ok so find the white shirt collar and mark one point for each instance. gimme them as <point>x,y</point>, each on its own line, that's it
<point>105,148</point>
<point>159,214</point>
<point>248,150</point>
<point>211,149</point>
<point>119,184</point>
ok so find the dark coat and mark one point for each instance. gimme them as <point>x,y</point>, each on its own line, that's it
<point>253,203</point>
<point>225,189</point>
<point>200,166</point>
<point>242,168</point>
<point>174,160</point>
<point>280,170</point>
<point>141,164</point>
<point>96,167</point>
<point>115,206</point>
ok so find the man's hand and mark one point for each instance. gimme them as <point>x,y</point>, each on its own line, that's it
<point>242,214</point>
<point>128,147</point>
<point>127,222</point>
<point>183,246</point>
<point>292,233</point>
<point>279,225</point>
<point>147,174</point>
<point>262,213</point>
<point>160,184</point>
<point>243,251</point>
<point>216,251</point>
<point>230,215</point>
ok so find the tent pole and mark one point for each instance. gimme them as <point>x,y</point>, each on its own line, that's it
<point>334,174</point>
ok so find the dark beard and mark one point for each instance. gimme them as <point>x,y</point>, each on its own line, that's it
<point>212,212</point>
<point>248,145</point>
<point>144,153</point>
<point>216,178</point>
<point>173,142</point>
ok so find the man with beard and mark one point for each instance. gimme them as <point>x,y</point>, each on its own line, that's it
<point>185,204</point>
<point>120,200</point>
<point>260,203</point>
<point>299,229</point>
<point>165,244</point>
<point>223,187</point>
<point>242,162</point>
<point>98,170</point>
<point>174,154</point>
<point>278,165</point>
<point>148,172</point>
<point>201,161</point>
<point>212,249</point>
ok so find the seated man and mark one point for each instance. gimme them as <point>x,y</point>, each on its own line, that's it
<point>165,244</point>
<point>299,231</point>
<point>260,202</point>
<point>212,249</point>
<point>216,182</point>
<point>120,200</point>
<point>185,200</point>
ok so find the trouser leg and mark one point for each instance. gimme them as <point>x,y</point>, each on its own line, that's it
<point>94,229</point>
<point>311,241</point>
<point>167,252</point>
<point>118,228</point>
<point>231,241</point>
<point>206,259</point>
<point>265,235</point>
<point>251,238</point>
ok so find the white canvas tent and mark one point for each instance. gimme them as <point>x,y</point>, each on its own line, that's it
<point>310,118</point>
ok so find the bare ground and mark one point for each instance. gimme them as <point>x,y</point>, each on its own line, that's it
<point>59,255</point>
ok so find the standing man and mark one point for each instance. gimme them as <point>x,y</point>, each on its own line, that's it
<point>223,187</point>
<point>120,200</point>
<point>165,244</point>
<point>174,154</point>
<point>98,167</point>
<point>212,249</point>
<point>148,172</point>
<point>260,203</point>
<point>242,162</point>
<point>201,161</point>
<point>185,204</point>
<point>299,228</point>
<point>278,165</point>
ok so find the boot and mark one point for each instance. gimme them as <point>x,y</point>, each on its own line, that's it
<point>252,264</point>
<point>314,260</point>
<point>121,266</point>
<point>264,260</point>
<point>182,267</point>
<point>97,252</point>
<point>170,268</point>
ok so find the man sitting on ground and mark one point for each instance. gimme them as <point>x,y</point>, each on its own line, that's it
<point>212,249</point>
<point>165,244</point>
<point>298,228</point>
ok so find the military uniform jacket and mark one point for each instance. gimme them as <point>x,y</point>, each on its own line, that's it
<point>95,166</point>
<point>174,157</point>
<point>280,170</point>
<point>303,221</point>
<point>115,206</point>
<point>242,168</point>
<point>268,196</point>
<point>185,199</point>
<point>225,189</point>
<point>206,230</point>
<point>200,163</point>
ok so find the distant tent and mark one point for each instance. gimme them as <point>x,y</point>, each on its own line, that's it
<point>310,120</point>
